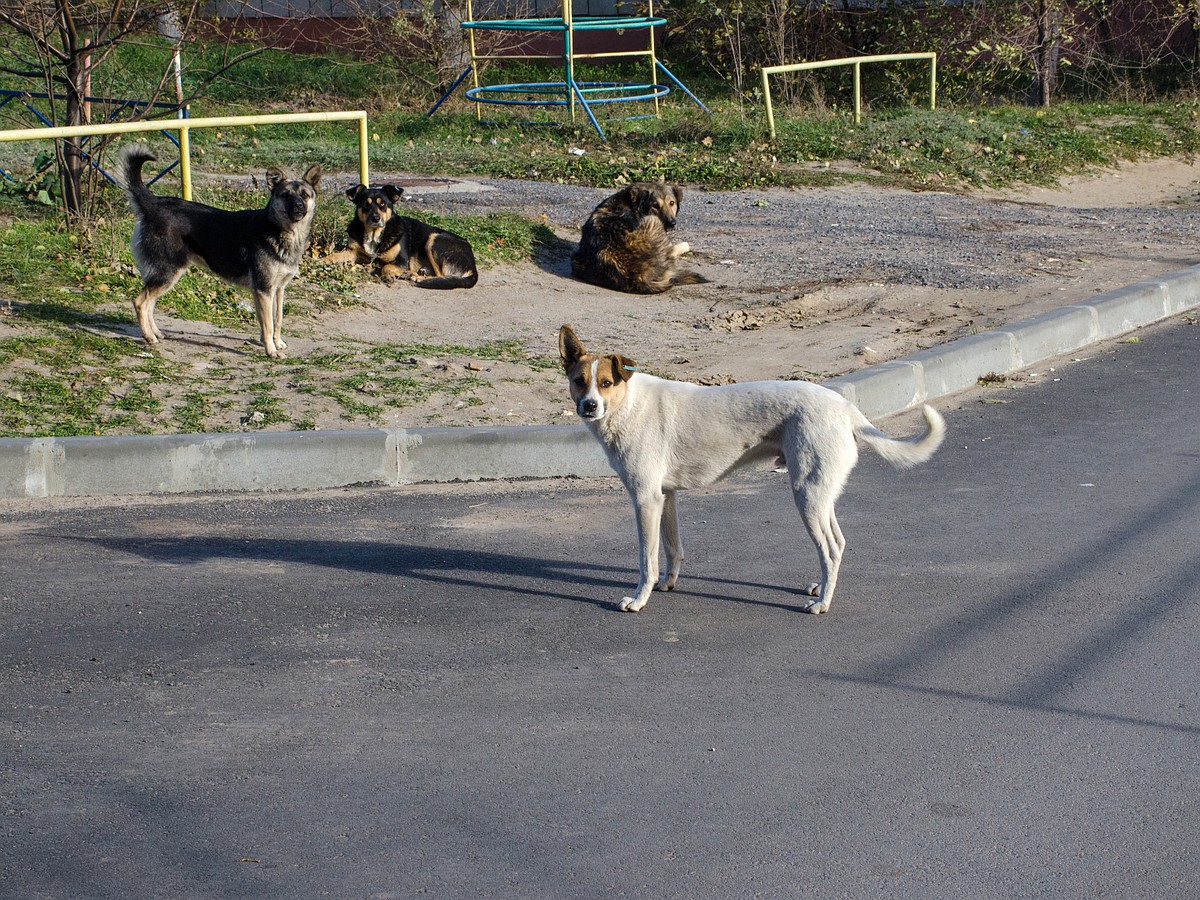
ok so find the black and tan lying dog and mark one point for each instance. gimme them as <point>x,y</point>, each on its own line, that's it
<point>258,249</point>
<point>399,246</point>
<point>624,245</point>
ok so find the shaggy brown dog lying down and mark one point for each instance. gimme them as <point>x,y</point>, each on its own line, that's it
<point>624,245</point>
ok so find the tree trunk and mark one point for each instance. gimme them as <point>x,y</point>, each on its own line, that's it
<point>1194,18</point>
<point>1047,52</point>
<point>79,77</point>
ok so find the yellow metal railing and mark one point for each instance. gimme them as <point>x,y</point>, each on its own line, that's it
<point>857,63</point>
<point>185,126</point>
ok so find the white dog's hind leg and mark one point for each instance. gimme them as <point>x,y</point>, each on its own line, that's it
<point>648,507</point>
<point>671,543</point>
<point>827,535</point>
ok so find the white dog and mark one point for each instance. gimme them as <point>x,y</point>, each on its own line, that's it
<point>666,436</point>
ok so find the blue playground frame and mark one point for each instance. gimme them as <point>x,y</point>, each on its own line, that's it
<point>569,92</point>
<point>116,107</point>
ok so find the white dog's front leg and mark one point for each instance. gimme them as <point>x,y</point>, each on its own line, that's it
<point>648,507</point>
<point>679,248</point>
<point>671,543</point>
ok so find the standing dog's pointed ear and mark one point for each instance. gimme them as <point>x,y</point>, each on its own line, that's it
<point>570,350</point>
<point>313,176</point>
<point>274,176</point>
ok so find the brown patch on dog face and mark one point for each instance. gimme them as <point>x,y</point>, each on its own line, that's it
<point>656,199</point>
<point>597,383</point>
<point>293,199</point>
<point>374,206</point>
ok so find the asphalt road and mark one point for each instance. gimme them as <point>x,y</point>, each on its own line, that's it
<point>416,691</point>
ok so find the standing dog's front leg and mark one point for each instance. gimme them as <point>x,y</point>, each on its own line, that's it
<point>277,320</point>
<point>671,543</point>
<point>264,309</point>
<point>648,509</point>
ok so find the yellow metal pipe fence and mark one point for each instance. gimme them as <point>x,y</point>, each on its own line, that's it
<point>855,61</point>
<point>185,126</point>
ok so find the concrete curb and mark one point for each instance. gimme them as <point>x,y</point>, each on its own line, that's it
<point>306,460</point>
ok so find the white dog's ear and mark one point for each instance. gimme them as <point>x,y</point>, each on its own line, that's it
<point>624,367</point>
<point>570,350</point>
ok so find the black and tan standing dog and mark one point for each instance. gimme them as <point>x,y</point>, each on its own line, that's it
<point>258,249</point>
<point>624,245</point>
<point>400,246</point>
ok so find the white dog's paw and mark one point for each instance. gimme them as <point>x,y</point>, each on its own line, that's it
<point>680,248</point>
<point>631,604</point>
<point>666,583</point>
<point>816,607</point>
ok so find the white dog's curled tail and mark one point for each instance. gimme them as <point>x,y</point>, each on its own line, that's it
<point>904,454</point>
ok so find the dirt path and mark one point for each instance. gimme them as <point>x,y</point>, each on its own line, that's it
<point>806,283</point>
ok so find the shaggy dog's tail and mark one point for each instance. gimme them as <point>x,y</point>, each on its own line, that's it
<point>904,454</point>
<point>129,175</point>
<point>688,278</point>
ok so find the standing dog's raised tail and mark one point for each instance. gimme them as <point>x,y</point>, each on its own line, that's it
<point>904,454</point>
<point>128,174</point>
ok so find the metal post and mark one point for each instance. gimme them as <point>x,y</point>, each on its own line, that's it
<point>653,56</point>
<point>857,93</point>
<point>856,62</point>
<point>474,68</point>
<point>767,96</point>
<point>185,162</point>
<point>933,83</point>
<point>569,59</point>
<point>362,151</point>
<point>184,126</point>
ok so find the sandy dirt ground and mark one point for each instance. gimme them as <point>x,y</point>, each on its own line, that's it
<point>762,319</point>
<point>808,283</point>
